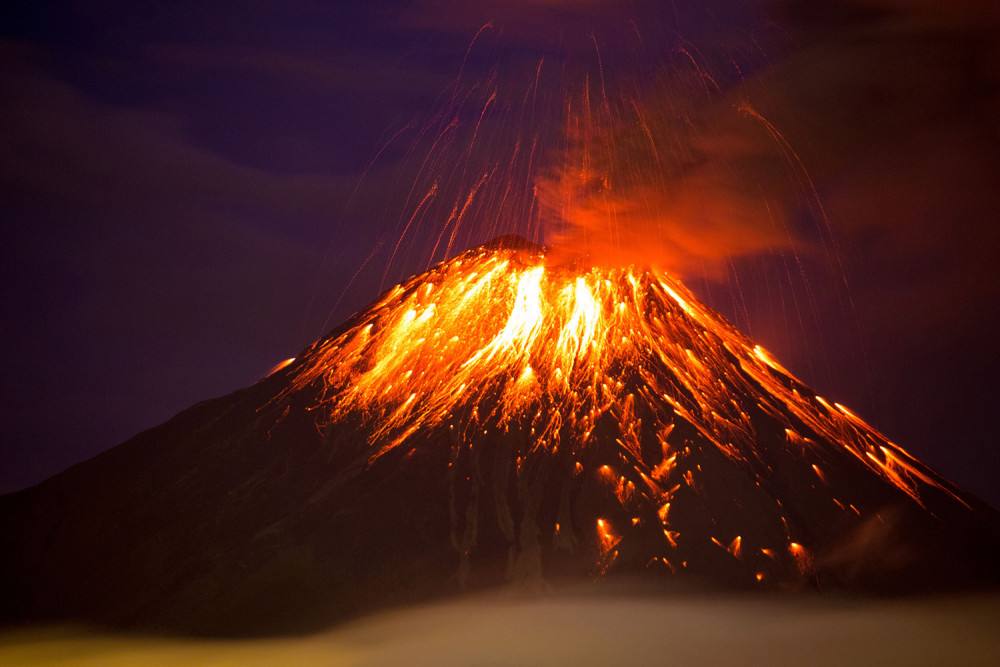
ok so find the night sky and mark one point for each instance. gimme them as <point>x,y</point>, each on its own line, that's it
<point>192,193</point>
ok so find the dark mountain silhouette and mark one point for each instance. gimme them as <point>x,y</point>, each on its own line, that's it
<point>389,464</point>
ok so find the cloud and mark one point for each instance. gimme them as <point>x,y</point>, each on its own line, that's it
<point>688,187</point>
<point>62,143</point>
<point>874,121</point>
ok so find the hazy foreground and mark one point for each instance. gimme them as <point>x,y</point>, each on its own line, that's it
<point>580,630</point>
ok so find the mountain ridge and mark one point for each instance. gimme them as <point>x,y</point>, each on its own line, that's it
<point>282,506</point>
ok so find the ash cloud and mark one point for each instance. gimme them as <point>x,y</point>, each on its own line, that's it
<point>684,185</point>
<point>871,121</point>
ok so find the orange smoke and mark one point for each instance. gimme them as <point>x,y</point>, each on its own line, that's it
<point>681,187</point>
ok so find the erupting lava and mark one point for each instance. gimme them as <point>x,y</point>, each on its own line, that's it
<point>499,341</point>
<point>495,337</point>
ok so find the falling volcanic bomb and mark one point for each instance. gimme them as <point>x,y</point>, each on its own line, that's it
<point>499,418</point>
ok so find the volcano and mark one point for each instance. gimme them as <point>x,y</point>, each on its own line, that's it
<point>496,420</point>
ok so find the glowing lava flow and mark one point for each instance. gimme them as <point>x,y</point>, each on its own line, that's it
<point>497,337</point>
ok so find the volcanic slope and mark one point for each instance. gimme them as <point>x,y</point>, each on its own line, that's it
<point>494,420</point>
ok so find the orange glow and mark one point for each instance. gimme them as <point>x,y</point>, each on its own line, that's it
<point>763,355</point>
<point>671,536</point>
<point>661,472</point>
<point>803,560</point>
<point>500,339</point>
<point>624,490</point>
<point>284,363</point>
<point>606,536</point>
<point>819,473</point>
<point>735,546</point>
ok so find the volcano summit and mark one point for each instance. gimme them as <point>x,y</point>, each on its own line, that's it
<point>495,419</point>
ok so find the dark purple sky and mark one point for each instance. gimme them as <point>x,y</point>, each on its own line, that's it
<point>181,193</point>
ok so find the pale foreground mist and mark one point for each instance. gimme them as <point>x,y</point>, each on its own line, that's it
<point>580,630</point>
